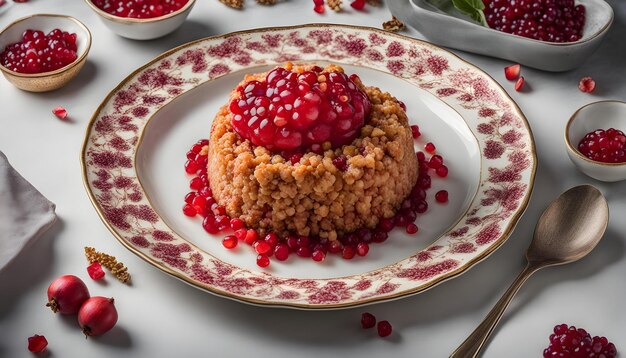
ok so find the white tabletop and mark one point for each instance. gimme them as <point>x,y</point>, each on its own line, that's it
<point>162,317</point>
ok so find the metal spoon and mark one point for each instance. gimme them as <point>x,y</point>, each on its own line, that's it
<point>569,228</point>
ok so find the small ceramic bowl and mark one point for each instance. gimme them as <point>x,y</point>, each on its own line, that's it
<point>464,34</point>
<point>144,29</point>
<point>46,81</point>
<point>598,115</point>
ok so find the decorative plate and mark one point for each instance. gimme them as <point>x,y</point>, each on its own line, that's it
<point>135,147</point>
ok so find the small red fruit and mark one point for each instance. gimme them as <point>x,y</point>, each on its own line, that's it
<point>236,223</point>
<point>230,242</point>
<point>441,196</point>
<point>511,72</point>
<point>66,294</point>
<point>97,316</point>
<point>587,84</point>
<point>95,271</point>
<point>358,4</point>
<point>442,171</point>
<point>319,9</point>
<point>281,252</point>
<point>411,228</point>
<point>362,248</point>
<point>37,343</point>
<point>318,255</point>
<point>262,247</point>
<point>262,261</point>
<point>368,320</point>
<point>519,84</point>
<point>430,147</point>
<point>384,328</point>
<point>60,112</point>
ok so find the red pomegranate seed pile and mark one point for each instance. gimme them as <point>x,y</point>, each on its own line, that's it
<point>38,53</point>
<point>140,9</point>
<point>545,20</point>
<point>607,146</point>
<point>200,202</point>
<point>572,342</point>
<point>295,112</point>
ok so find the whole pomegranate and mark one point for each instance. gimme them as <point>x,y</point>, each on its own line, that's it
<point>66,294</point>
<point>97,315</point>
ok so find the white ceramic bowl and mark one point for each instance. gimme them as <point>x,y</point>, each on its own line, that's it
<point>46,81</point>
<point>144,29</point>
<point>598,115</point>
<point>463,34</point>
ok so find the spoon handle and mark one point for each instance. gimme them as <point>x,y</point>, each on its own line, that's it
<point>474,343</point>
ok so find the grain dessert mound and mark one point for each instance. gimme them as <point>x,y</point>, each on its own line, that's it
<point>288,181</point>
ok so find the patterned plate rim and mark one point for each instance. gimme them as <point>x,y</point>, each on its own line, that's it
<point>449,274</point>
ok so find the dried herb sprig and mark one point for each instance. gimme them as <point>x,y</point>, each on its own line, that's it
<point>110,262</point>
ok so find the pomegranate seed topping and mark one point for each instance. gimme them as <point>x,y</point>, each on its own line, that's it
<point>341,163</point>
<point>358,4</point>
<point>241,234</point>
<point>415,131</point>
<point>199,203</point>
<point>196,148</point>
<point>38,53</point>
<point>319,9</point>
<point>140,9</point>
<point>550,20</point>
<point>512,72</point>
<point>348,252</point>
<point>379,236</point>
<point>572,342</point>
<point>607,146</point>
<point>292,111</point>
<point>441,196</point>
<point>587,84</point>
<point>189,197</point>
<point>303,241</point>
<point>435,162</point>
<point>368,320</point>
<point>236,223</point>
<point>262,247</point>
<point>95,271</point>
<point>196,184</point>
<point>304,252</point>
<point>281,252</point>
<point>189,210</point>
<point>384,328</point>
<point>292,243</point>
<point>411,228</point>
<point>430,148</point>
<point>318,255</point>
<point>230,242</point>
<point>60,112</point>
<point>210,225</point>
<point>386,225</point>
<point>37,343</point>
<point>262,261</point>
<point>271,239</point>
<point>519,84</point>
<point>362,248</point>
<point>335,247</point>
<point>318,2</point>
<point>442,171</point>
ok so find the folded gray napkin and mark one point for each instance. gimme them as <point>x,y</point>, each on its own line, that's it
<point>24,212</point>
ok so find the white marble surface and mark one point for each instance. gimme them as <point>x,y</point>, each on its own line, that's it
<point>161,317</point>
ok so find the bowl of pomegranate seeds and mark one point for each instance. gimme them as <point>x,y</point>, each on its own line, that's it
<point>596,142</point>
<point>550,35</point>
<point>42,53</point>
<point>142,19</point>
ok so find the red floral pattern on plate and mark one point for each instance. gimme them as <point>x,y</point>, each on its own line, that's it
<point>508,160</point>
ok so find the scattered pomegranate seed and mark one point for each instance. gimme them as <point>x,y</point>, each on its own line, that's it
<point>348,252</point>
<point>552,21</point>
<point>572,342</point>
<point>38,53</point>
<point>319,9</point>
<point>442,171</point>
<point>196,184</point>
<point>304,252</point>
<point>189,210</point>
<point>281,252</point>
<point>318,255</point>
<point>262,261</point>
<point>230,242</point>
<point>262,247</point>
<point>411,228</point>
<point>241,234</point>
<point>251,236</point>
<point>441,196</point>
<point>587,84</point>
<point>291,111</point>
<point>384,328</point>
<point>272,239</point>
<point>368,320</point>
<point>435,162</point>
<point>519,84</point>
<point>358,4</point>
<point>37,343</point>
<point>236,223</point>
<point>607,146</point>
<point>430,147</point>
<point>362,248</point>
<point>386,224</point>
<point>335,247</point>
<point>512,72</point>
<point>415,131</point>
<point>95,271</point>
<point>60,112</point>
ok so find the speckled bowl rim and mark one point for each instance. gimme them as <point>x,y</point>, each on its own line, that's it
<point>76,62</point>
<point>130,20</point>
<point>575,150</point>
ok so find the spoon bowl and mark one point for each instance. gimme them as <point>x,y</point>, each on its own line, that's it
<point>569,228</point>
